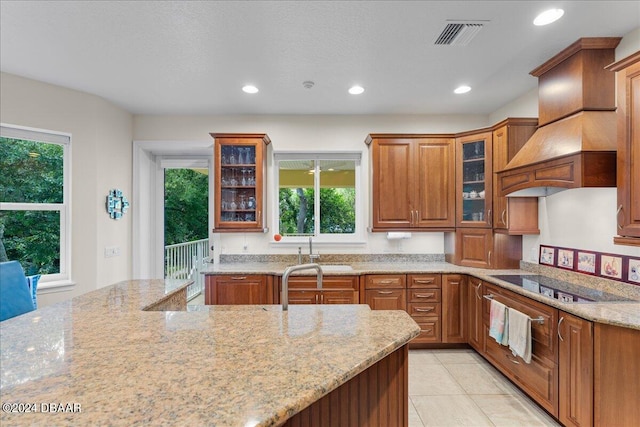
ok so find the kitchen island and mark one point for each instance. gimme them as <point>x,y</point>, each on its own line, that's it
<point>114,356</point>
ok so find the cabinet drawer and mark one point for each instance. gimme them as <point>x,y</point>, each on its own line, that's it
<point>425,295</point>
<point>544,341</point>
<point>538,378</point>
<point>328,282</point>
<point>383,281</point>
<point>424,281</point>
<point>386,299</point>
<point>424,309</point>
<point>429,330</point>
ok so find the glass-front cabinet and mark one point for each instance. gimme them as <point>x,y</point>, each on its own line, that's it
<point>240,165</point>
<point>474,180</point>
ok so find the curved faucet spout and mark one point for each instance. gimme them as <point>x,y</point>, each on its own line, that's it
<point>287,273</point>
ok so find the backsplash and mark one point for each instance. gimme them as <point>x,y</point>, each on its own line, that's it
<point>621,268</point>
<point>332,258</point>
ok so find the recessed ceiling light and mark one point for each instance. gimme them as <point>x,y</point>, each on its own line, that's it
<point>462,89</point>
<point>250,89</point>
<point>548,16</point>
<point>356,90</point>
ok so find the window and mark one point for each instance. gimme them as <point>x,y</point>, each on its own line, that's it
<point>34,201</point>
<point>318,196</point>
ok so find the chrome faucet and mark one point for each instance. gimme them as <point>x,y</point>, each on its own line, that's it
<point>285,280</point>
<point>312,256</point>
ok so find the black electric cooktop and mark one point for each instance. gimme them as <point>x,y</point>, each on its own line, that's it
<point>558,289</point>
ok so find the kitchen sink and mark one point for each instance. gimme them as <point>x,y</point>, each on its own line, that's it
<point>335,267</point>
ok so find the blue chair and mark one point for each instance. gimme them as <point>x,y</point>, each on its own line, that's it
<point>15,296</point>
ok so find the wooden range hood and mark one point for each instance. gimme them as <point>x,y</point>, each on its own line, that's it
<point>575,144</point>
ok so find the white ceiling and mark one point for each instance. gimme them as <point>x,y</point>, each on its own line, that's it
<point>193,57</point>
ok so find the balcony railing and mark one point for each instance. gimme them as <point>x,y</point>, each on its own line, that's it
<point>186,261</point>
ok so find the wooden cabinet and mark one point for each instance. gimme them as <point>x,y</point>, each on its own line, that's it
<point>454,308</point>
<point>575,368</point>
<point>515,215</point>
<point>335,290</point>
<point>425,306</point>
<point>475,328</point>
<point>474,176</point>
<point>413,182</point>
<point>539,379</point>
<point>238,289</point>
<point>628,155</point>
<point>240,187</point>
<point>385,292</point>
<point>483,248</point>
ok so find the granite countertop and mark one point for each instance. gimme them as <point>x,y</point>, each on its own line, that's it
<point>625,314</point>
<point>215,365</point>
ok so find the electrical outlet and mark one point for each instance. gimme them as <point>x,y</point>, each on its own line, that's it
<point>111,251</point>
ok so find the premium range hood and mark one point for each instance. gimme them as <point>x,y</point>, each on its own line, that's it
<point>575,143</point>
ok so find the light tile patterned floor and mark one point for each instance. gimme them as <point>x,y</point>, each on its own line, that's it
<point>459,388</point>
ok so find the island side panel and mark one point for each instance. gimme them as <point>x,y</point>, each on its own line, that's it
<point>377,397</point>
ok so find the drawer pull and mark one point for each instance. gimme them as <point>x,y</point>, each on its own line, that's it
<point>425,295</point>
<point>385,292</point>
<point>424,310</point>
<point>513,360</point>
<point>423,281</point>
<point>538,320</point>
<point>427,330</point>
<point>238,277</point>
<point>560,323</point>
<point>385,282</point>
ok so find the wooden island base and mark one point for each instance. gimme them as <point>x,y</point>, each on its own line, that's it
<point>378,396</point>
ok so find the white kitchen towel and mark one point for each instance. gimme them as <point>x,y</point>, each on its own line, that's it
<point>520,334</point>
<point>498,322</point>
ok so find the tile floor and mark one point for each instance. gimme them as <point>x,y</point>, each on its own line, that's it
<point>460,388</point>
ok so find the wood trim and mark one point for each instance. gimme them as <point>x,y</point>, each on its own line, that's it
<point>581,44</point>
<point>263,136</point>
<point>377,397</point>
<point>624,62</point>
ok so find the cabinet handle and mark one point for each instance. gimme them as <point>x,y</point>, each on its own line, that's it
<point>513,360</point>
<point>560,323</point>
<point>618,216</point>
<point>417,216</point>
<point>424,310</point>
<point>477,289</point>
<point>504,220</point>
<point>316,298</point>
<point>321,298</point>
<point>489,218</point>
<point>413,220</point>
<point>259,217</point>
<point>489,261</point>
<point>385,292</point>
<point>424,296</point>
<point>238,277</point>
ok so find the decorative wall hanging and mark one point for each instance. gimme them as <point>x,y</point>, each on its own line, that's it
<point>117,204</point>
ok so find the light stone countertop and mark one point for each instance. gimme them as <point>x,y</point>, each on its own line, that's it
<point>213,365</point>
<point>625,314</point>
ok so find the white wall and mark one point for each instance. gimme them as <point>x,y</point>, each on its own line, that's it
<point>101,159</point>
<point>306,133</point>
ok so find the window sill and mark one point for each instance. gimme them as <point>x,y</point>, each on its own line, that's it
<point>55,286</point>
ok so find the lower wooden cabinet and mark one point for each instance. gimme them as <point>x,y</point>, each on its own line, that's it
<point>335,290</point>
<point>425,306</point>
<point>386,299</point>
<point>454,308</point>
<point>475,330</point>
<point>575,367</point>
<point>238,289</point>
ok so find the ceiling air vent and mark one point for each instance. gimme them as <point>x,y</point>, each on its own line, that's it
<point>458,34</point>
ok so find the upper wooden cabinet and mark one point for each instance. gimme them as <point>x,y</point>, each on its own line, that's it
<point>474,177</point>
<point>240,188</point>
<point>515,215</point>
<point>628,157</point>
<point>413,182</point>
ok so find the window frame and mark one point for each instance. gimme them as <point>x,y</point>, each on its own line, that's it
<point>354,238</point>
<point>63,278</point>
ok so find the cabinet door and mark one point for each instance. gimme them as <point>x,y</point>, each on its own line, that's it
<point>474,247</point>
<point>386,299</point>
<point>233,290</point>
<point>435,205</point>
<point>239,181</point>
<point>344,296</point>
<point>517,215</point>
<point>454,308</point>
<point>474,177</point>
<point>575,370</point>
<point>474,318</point>
<point>393,183</point>
<point>628,157</point>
